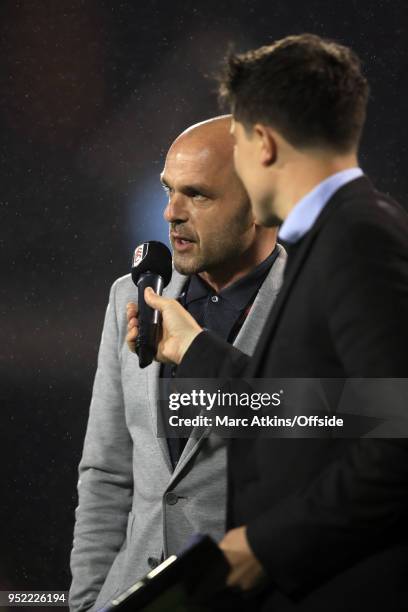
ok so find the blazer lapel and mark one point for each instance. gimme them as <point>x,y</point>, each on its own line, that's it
<point>246,341</point>
<point>252,328</point>
<point>173,290</point>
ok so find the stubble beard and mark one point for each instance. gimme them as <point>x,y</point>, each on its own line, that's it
<point>218,254</point>
<point>187,264</point>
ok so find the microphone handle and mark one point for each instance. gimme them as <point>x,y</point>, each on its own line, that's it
<point>149,319</point>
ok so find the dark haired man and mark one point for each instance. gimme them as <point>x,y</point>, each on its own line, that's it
<point>325,520</point>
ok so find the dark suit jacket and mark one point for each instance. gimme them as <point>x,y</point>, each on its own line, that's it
<point>327,518</point>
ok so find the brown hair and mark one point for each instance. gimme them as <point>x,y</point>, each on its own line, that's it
<point>308,88</point>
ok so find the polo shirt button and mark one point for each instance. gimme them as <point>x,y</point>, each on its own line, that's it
<point>171,498</point>
<point>215,299</point>
<point>153,562</point>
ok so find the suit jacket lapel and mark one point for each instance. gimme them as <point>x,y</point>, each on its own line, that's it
<point>246,341</point>
<point>251,330</point>
<point>173,290</point>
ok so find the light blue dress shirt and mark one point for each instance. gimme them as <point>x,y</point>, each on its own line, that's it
<point>305,212</point>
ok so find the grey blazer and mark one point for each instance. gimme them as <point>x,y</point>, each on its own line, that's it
<point>132,505</point>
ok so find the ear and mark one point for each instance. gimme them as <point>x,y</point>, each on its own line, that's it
<point>267,144</point>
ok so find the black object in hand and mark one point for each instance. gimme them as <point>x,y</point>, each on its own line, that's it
<point>188,582</point>
<point>151,267</point>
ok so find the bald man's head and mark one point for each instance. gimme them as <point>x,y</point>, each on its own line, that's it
<point>206,148</point>
<point>209,212</point>
<point>214,133</point>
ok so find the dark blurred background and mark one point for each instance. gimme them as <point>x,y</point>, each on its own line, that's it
<point>92,93</point>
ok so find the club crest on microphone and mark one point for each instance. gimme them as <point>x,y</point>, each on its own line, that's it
<point>140,253</point>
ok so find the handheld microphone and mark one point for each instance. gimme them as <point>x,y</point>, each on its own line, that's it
<point>151,267</point>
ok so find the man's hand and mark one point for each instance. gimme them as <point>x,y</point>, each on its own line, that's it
<point>245,567</point>
<point>178,327</point>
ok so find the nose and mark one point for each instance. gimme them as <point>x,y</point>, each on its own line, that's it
<point>175,211</point>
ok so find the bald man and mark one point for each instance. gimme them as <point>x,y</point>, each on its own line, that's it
<point>142,496</point>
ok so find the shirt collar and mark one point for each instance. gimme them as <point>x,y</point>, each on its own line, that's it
<point>239,293</point>
<point>305,212</point>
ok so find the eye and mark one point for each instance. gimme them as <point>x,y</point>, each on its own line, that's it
<point>195,195</point>
<point>167,190</point>
<point>199,197</point>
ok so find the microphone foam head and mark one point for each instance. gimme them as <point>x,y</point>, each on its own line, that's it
<point>154,257</point>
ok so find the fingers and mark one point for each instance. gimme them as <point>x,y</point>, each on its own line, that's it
<point>131,310</point>
<point>132,319</point>
<point>246,570</point>
<point>132,316</point>
<point>155,301</point>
